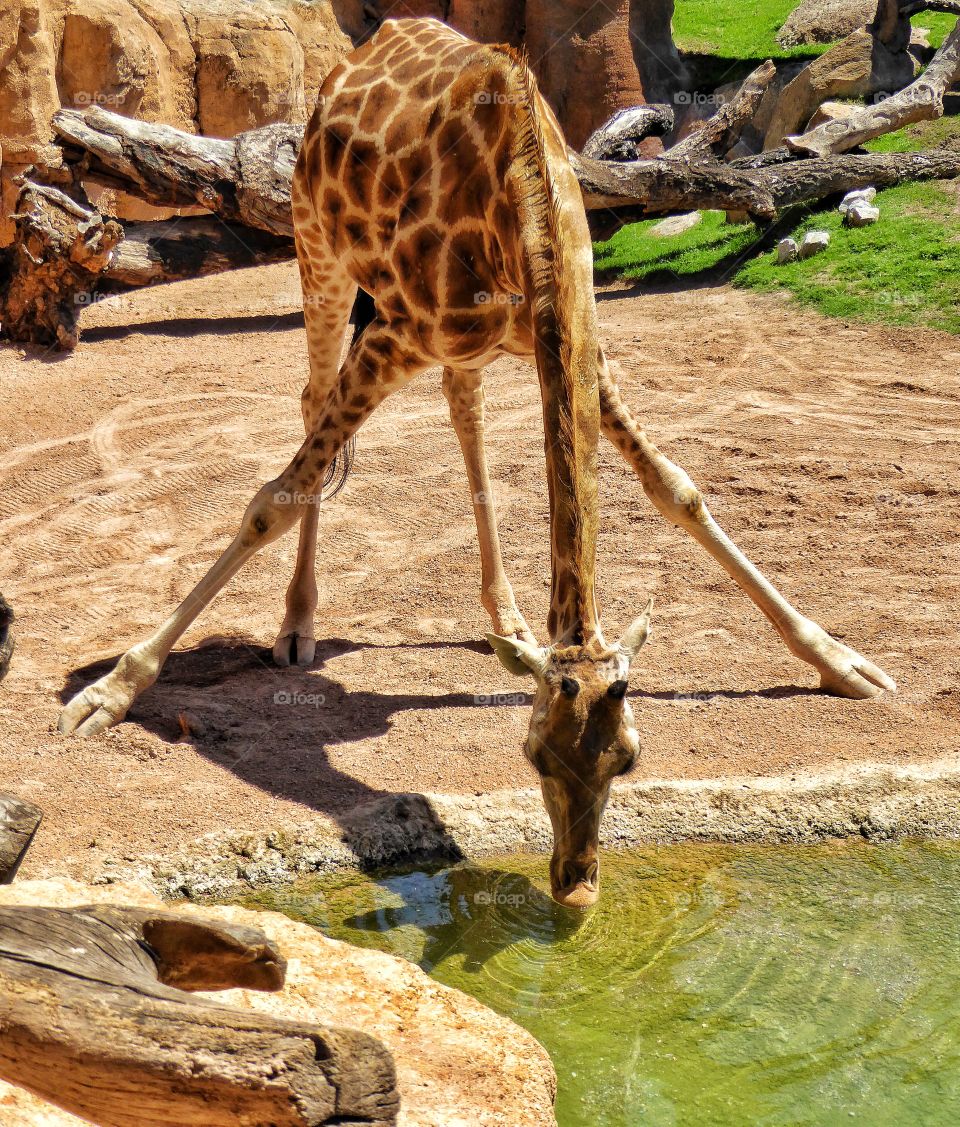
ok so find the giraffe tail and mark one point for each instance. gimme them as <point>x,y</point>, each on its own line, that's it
<point>339,469</point>
<point>364,311</point>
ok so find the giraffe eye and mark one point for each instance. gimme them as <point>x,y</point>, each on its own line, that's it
<point>569,687</point>
<point>618,690</point>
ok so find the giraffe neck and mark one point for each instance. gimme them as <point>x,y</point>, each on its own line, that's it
<point>558,268</point>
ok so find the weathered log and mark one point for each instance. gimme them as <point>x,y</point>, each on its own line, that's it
<point>19,821</point>
<point>6,636</point>
<point>620,138</point>
<point>662,186</point>
<point>922,100</point>
<point>716,136</point>
<point>245,180</point>
<point>94,1017</point>
<point>66,256</point>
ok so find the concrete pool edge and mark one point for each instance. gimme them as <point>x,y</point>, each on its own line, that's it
<point>874,802</point>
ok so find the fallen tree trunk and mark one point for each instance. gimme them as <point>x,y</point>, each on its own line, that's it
<point>66,254</point>
<point>922,100</point>
<point>19,821</point>
<point>66,257</point>
<point>245,180</point>
<point>620,137</point>
<point>94,1017</point>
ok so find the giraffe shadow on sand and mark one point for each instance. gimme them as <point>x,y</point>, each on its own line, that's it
<point>274,728</point>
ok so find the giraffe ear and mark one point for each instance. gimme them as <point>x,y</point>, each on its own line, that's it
<point>636,633</point>
<point>519,658</point>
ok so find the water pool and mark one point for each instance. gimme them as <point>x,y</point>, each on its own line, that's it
<point>711,985</point>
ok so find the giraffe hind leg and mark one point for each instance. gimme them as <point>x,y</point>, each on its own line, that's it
<point>464,392</point>
<point>842,670</point>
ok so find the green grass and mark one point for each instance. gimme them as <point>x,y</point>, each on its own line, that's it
<point>731,29</point>
<point>904,270</point>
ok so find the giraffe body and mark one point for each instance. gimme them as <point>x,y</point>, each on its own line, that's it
<point>434,177</point>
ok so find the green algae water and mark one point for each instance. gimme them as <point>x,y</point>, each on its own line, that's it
<point>720,985</point>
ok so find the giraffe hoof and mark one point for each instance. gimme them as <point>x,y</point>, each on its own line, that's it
<point>294,649</point>
<point>92,711</point>
<point>843,671</point>
<point>858,679</point>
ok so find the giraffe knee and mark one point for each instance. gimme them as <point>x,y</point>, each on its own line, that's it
<point>271,512</point>
<point>675,495</point>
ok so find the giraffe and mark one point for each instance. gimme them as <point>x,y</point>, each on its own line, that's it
<point>434,178</point>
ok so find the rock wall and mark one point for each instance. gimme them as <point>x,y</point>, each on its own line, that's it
<point>210,66</point>
<point>458,1063</point>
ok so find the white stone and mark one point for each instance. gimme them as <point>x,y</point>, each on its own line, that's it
<point>861,215</point>
<point>813,243</point>
<point>787,250</point>
<point>857,196</point>
<point>675,224</point>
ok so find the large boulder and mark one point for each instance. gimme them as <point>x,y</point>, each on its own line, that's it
<point>857,67</point>
<point>458,1063</point>
<point>825,21</point>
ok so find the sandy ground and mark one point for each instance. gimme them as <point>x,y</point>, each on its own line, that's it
<point>829,450</point>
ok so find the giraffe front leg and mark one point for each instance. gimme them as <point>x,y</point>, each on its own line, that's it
<point>375,367</point>
<point>842,670</point>
<point>464,392</point>
<point>106,702</point>
<point>296,643</point>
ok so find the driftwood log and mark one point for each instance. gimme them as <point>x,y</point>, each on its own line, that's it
<point>66,256</point>
<point>619,138</point>
<point>95,1016</point>
<point>19,821</point>
<point>718,134</point>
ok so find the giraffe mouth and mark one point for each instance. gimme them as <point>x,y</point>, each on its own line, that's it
<point>576,885</point>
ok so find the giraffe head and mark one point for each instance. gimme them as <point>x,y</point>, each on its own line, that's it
<point>581,737</point>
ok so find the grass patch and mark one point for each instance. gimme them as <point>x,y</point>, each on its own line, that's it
<point>732,30</point>
<point>635,253</point>
<point>905,270</point>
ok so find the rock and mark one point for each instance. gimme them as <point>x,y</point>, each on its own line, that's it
<point>211,66</point>
<point>814,242</point>
<point>857,196</point>
<point>861,214</point>
<point>825,21</point>
<point>676,224</point>
<point>830,111</point>
<point>6,636</point>
<point>458,1063</point>
<point>857,67</point>
<point>787,251</point>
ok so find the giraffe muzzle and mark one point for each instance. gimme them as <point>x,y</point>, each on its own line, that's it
<point>575,884</point>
